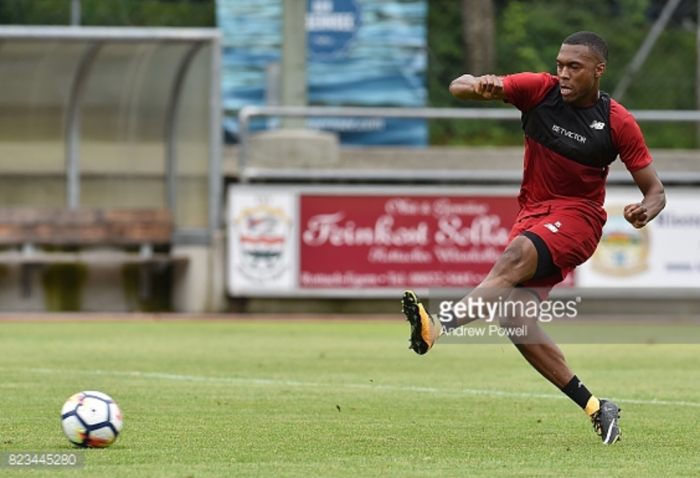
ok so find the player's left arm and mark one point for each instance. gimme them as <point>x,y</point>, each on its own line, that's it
<point>629,141</point>
<point>639,214</point>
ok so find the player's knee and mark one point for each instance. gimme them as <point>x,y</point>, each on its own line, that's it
<point>518,261</point>
<point>513,255</point>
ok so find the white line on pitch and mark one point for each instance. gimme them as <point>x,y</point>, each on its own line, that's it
<point>291,383</point>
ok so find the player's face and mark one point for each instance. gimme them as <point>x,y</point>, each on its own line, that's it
<point>579,71</point>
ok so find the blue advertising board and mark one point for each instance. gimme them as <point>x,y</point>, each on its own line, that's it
<point>360,53</point>
<point>331,27</point>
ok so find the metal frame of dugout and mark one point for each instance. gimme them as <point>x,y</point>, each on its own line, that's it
<point>115,105</point>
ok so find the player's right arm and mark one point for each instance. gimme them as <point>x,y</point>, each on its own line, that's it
<point>486,87</point>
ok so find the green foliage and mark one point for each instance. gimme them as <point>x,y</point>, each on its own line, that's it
<point>134,13</point>
<point>668,78</point>
<point>446,58</point>
<point>445,49</point>
<point>476,133</point>
<point>528,49</point>
<point>35,12</point>
<point>529,34</point>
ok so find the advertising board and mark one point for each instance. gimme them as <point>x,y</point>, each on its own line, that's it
<point>377,240</point>
<point>664,254</point>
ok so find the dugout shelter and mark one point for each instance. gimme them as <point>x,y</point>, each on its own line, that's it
<point>114,118</point>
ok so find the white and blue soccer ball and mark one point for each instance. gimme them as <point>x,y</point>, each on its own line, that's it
<point>91,419</point>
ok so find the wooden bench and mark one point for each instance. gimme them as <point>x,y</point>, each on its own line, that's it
<point>36,237</point>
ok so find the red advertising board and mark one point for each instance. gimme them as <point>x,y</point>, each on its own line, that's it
<point>396,241</point>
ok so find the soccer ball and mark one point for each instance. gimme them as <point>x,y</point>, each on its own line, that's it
<point>91,419</point>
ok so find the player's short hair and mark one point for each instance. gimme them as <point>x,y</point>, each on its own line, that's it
<point>592,40</point>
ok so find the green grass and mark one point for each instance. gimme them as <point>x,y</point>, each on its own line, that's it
<point>303,398</point>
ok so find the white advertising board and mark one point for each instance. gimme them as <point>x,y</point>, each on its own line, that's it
<point>664,254</point>
<point>262,240</point>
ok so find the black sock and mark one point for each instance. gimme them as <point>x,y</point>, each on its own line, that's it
<point>578,392</point>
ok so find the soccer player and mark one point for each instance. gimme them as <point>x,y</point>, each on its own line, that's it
<point>573,131</point>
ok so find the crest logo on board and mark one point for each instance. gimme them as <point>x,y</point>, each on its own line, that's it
<point>623,250</point>
<point>262,233</point>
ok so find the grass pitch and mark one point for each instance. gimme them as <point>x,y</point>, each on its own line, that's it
<point>339,398</point>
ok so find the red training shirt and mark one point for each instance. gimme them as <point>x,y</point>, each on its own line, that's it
<point>552,180</point>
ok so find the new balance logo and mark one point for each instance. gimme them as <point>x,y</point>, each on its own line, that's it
<point>599,125</point>
<point>553,227</point>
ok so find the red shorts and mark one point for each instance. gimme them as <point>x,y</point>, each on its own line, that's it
<point>570,235</point>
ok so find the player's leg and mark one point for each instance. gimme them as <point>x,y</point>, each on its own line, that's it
<point>534,343</point>
<point>557,253</point>
<point>517,263</point>
<point>547,358</point>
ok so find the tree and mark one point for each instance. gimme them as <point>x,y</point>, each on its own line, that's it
<point>478,23</point>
